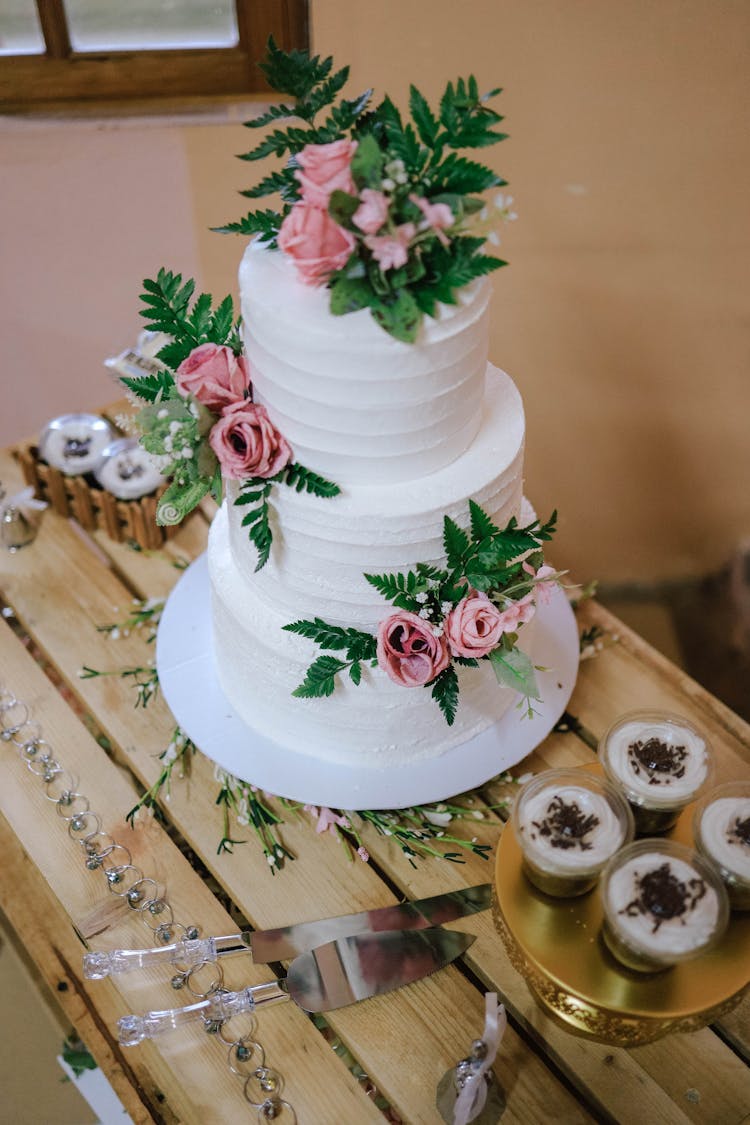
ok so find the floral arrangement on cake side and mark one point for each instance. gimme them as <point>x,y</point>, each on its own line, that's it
<point>470,610</point>
<point>382,211</point>
<point>201,424</point>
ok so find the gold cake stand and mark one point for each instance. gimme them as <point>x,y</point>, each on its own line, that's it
<point>556,945</point>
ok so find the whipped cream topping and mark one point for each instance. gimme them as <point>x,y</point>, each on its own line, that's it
<point>725,834</point>
<point>662,905</point>
<point>661,763</point>
<point>569,828</point>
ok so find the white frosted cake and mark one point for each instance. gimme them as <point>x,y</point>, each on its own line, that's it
<point>374,576</point>
<point>409,432</point>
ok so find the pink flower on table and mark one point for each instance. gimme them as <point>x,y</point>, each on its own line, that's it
<point>437,216</point>
<point>408,650</point>
<point>391,251</point>
<point>214,375</point>
<point>328,820</point>
<point>372,211</point>
<point>247,444</point>
<point>543,588</point>
<point>474,626</point>
<point>517,613</point>
<point>317,243</point>
<point>325,169</point>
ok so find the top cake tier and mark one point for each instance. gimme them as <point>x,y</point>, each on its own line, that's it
<point>355,404</point>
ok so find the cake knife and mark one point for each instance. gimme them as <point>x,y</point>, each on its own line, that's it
<point>287,941</point>
<point>334,975</point>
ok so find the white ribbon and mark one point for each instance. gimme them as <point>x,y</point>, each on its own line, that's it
<point>473,1095</point>
<point>22,501</point>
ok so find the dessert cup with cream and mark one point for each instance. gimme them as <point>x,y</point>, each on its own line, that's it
<point>663,903</point>
<point>569,823</point>
<point>721,828</point>
<point>660,762</point>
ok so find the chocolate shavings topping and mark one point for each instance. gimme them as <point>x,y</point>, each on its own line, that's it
<point>658,760</point>
<point>739,833</point>
<point>662,895</point>
<point>566,825</point>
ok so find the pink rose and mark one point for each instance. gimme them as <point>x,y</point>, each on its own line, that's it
<point>372,211</point>
<point>408,650</point>
<point>474,626</point>
<point>317,243</point>
<point>390,251</point>
<point>517,613</point>
<point>325,169</point>
<point>214,375</point>
<point>247,444</point>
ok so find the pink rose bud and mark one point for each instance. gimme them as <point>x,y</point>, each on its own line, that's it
<point>214,375</point>
<point>474,627</point>
<point>408,650</point>
<point>372,211</point>
<point>517,614</point>
<point>247,444</point>
<point>318,245</point>
<point>391,251</point>
<point>325,169</point>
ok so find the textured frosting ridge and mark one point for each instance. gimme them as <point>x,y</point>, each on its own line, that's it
<point>354,403</point>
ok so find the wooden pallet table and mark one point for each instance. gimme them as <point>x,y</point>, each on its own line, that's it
<point>59,590</point>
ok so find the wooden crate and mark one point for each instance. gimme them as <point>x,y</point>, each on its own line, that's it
<point>91,506</point>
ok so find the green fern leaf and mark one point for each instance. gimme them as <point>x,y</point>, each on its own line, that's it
<point>445,693</point>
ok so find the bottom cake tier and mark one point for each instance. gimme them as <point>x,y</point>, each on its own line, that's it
<point>378,723</point>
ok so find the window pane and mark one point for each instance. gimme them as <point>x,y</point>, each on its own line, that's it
<point>143,24</point>
<point>20,33</point>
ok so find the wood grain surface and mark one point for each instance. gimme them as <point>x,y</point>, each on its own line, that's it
<point>68,583</point>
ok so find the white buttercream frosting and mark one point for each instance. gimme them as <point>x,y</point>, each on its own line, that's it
<point>409,433</point>
<point>720,838</point>
<point>553,851</point>
<point>648,933</point>
<point>357,405</point>
<point>681,753</point>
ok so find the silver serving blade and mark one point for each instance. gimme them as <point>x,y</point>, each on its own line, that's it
<point>355,968</point>
<point>289,941</point>
<point>339,973</point>
<point>285,942</point>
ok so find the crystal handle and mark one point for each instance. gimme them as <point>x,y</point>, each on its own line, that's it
<point>185,954</point>
<point>221,1006</point>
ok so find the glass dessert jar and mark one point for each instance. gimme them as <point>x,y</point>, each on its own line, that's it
<point>660,762</point>
<point>663,903</point>
<point>568,823</point>
<point>721,829</point>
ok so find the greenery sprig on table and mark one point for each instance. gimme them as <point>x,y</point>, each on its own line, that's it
<point>504,565</point>
<point>431,237</point>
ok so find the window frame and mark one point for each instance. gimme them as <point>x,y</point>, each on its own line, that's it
<point>61,75</point>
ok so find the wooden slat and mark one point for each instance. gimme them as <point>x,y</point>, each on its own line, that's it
<point>187,1067</point>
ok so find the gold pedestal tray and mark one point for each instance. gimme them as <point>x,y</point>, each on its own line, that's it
<point>556,945</point>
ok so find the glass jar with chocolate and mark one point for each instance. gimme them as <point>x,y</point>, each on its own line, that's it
<point>568,823</point>
<point>663,903</point>
<point>721,828</point>
<point>660,762</point>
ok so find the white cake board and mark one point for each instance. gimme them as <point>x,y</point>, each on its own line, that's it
<point>188,679</point>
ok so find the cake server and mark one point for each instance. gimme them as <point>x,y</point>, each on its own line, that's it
<point>334,975</point>
<point>287,941</point>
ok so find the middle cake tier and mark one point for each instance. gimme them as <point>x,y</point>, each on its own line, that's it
<point>323,547</point>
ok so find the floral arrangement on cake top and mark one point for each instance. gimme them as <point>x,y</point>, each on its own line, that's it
<point>471,609</point>
<point>382,211</point>
<point>201,423</point>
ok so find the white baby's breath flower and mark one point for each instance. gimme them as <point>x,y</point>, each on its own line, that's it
<point>388,184</point>
<point>174,426</point>
<point>186,452</point>
<point>162,413</point>
<point>446,607</point>
<point>421,597</point>
<point>424,612</point>
<point>441,818</point>
<point>494,238</point>
<point>437,630</point>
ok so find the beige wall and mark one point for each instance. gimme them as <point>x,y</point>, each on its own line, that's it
<point>623,315</point>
